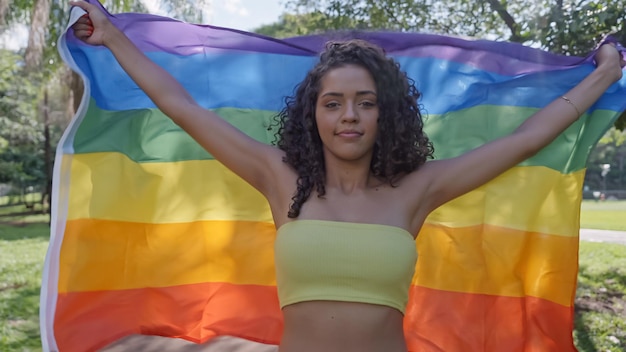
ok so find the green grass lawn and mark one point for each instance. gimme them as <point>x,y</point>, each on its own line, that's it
<point>600,315</point>
<point>22,252</point>
<point>608,215</point>
<point>601,298</point>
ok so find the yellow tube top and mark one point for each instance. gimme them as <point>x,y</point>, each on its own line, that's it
<point>341,261</point>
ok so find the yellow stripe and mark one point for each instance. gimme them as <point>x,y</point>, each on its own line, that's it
<point>110,186</point>
<point>498,261</point>
<point>108,255</point>
<point>530,198</point>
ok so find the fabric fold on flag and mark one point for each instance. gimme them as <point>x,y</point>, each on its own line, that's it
<point>151,235</point>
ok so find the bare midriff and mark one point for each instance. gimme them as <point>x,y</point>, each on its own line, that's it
<point>333,326</point>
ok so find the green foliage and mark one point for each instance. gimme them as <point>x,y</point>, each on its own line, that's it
<point>565,26</point>
<point>186,10</point>
<point>289,25</point>
<point>611,149</point>
<point>613,136</point>
<point>577,26</point>
<point>17,105</point>
<point>115,6</point>
<point>361,14</point>
<point>21,10</point>
<point>20,131</point>
<point>59,13</point>
<point>466,18</point>
<point>620,124</point>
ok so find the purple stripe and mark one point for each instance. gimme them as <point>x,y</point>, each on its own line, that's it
<point>155,33</point>
<point>498,57</point>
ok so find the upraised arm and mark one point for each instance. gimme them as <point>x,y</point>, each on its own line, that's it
<point>255,162</point>
<point>450,178</point>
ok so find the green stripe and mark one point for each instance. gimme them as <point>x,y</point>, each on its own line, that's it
<point>148,135</point>
<point>464,130</point>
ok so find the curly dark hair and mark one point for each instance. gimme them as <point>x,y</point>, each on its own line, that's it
<point>401,145</point>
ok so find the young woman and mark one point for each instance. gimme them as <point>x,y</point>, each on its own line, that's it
<point>351,161</point>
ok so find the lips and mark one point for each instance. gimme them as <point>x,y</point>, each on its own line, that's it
<point>349,133</point>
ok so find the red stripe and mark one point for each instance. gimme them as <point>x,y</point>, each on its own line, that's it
<point>87,321</point>
<point>436,320</point>
<point>439,321</point>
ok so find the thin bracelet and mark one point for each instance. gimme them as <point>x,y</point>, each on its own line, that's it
<point>572,104</point>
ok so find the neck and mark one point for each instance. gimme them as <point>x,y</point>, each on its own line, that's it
<point>348,177</point>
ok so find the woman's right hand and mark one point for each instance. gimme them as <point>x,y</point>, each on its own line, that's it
<point>93,26</point>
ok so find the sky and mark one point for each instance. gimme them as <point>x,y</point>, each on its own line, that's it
<point>239,14</point>
<point>246,14</point>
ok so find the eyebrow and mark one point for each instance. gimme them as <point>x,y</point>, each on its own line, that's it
<point>361,92</point>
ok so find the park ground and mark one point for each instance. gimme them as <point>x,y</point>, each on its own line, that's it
<point>600,306</point>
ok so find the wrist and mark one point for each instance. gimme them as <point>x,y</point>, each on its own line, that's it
<point>611,72</point>
<point>111,35</point>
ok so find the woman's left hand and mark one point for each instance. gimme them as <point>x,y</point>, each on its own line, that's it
<point>609,58</point>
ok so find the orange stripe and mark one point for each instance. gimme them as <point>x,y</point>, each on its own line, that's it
<point>498,261</point>
<point>479,259</point>
<point>440,321</point>
<point>110,255</point>
<point>87,321</point>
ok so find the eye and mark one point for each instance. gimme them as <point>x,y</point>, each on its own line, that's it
<point>331,105</point>
<point>368,104</point>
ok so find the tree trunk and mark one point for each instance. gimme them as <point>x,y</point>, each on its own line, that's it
<point>4,6</point>
<point>504,14</point>
<point>47,196</point>
<point>76,92</point>
<point>37,34</point>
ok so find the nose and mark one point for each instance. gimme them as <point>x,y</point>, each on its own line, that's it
<point>350,114</point>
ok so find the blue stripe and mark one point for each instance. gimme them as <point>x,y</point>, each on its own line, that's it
<point>261,81</point>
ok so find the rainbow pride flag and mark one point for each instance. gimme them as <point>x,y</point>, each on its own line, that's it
<point>151,235</point>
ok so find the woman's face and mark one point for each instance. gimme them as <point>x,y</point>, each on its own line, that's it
<point>347,113</point>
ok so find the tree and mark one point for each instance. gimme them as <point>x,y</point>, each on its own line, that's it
<point>20,132</point>
<point>289,25</point>
<point>191,11</point>
<point>570,27</point>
